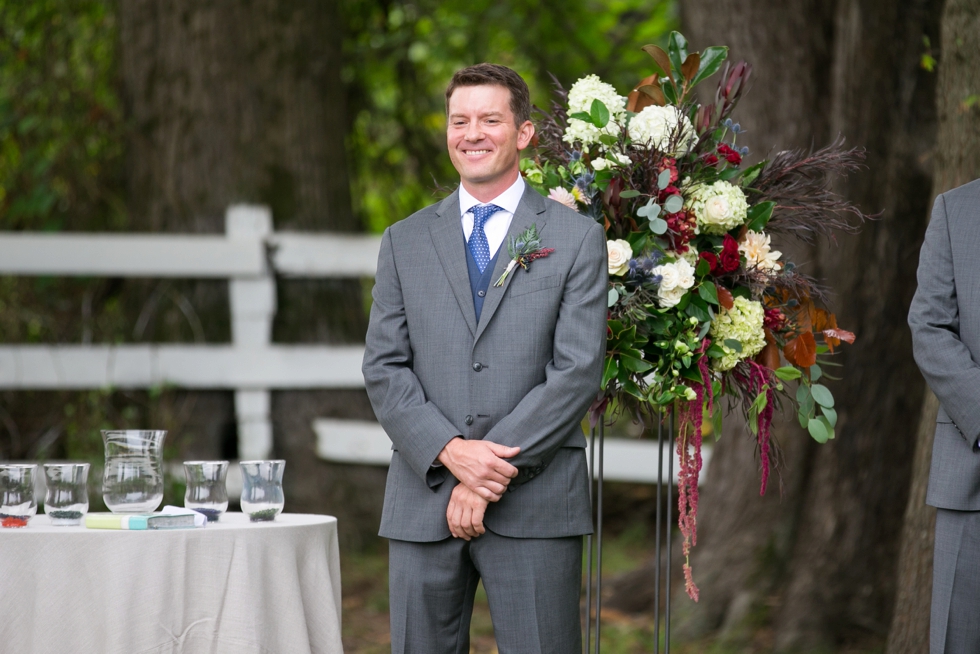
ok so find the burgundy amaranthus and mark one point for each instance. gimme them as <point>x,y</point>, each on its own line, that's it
<point>689,453</point>
<point>759,377</point>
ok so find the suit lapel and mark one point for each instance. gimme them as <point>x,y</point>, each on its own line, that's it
<point>529,211</point>
<point>447,236</point>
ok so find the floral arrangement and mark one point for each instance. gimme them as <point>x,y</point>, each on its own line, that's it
<point>700,303</point>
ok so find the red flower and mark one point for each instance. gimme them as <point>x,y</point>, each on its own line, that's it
<point>670,164</point>
<point>712,260</point>
<point>731,156</point>
<point>710,159</point>
<point>729,258</point>
<point>774,320</point>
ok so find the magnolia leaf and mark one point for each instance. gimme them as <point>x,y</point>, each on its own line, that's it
<point>690,66</point>
<point>677,50</point>
<point>599,113</point>
<point>708,292</point>
<point>661,60</point>
<point>612,298</point>
<point>802,350</point>
<point>818,430</point>
<point>815,373</point>
<point>711,60</point>
<point>670,92</point>
<point>822,395</point>
<point>609,372</point>
<point>658,226</point>
<point>638,99</point>
<point>674,204</point>
<point>788,373</point>
<point>663,179</point>
<point>629,193</point>
<point>725,298</point>
<point>734,345</point>
<point>653,92</point>
<point>830,414</point>
<point>759,215</point>
<point>751,174</point>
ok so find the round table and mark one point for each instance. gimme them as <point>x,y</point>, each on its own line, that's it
<point>232,586</point>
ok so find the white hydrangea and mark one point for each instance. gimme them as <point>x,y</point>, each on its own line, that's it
<point>675,280</point>
<point>717,207</point>
<point>611,159</point>
<point>743,323</point>
<point>659,127</point>
<point>580,98</point>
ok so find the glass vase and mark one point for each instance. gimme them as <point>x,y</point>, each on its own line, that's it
<point>133,478</point>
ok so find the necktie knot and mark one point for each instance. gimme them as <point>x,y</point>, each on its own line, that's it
<point>478,238</point>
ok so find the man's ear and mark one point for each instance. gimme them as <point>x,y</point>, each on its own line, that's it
<point>524,134</point>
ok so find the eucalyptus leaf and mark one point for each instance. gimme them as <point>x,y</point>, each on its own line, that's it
<point>663,179</point>
<point>830,414</point>
<point>822,395</point>
<point>674,204</point>
<point>828,426</point>
<point>612,298</point>
<point>818,430</point>
<point>650,210</point>
<point>658,226</point>
<point>629,193</point>
<point>815,372</point>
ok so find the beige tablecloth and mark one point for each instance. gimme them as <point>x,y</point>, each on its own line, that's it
<point>232,587</point>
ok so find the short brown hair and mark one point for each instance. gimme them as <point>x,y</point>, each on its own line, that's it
<point>496,75</point>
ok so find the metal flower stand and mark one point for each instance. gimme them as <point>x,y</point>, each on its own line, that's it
<point>593,544</point>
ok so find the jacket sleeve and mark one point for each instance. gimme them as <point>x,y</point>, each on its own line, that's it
<point>541,422</point>
<point>934,317</point>
<point>418,429</point>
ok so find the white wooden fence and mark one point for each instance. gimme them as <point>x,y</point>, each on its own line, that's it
<point>248,255</point>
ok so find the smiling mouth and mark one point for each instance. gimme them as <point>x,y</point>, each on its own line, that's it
<point>472,153</point>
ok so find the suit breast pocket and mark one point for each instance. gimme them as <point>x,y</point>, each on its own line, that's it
<point>535,284</point>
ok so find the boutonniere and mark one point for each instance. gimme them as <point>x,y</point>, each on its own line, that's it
<point>523,249</point>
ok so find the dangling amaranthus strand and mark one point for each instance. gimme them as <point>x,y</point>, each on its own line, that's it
<point>762,378</point>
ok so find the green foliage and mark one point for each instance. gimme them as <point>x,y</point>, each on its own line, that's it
<point>399,57</point>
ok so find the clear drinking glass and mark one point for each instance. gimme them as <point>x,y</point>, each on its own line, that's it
<point>133,479</point>
<point>66,498</point>
<point>262,497</point>
<point>17,502</point>
<point>206,492</point>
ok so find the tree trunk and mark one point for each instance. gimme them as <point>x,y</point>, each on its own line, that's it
<point>242,102</point>
<point>957,162</point>
<point>818,563</point>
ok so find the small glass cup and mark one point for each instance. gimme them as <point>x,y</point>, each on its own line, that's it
<point>262,497</point>
<point>66,499</point>
<point>17,501</point>
<point>132,481</point>
<point>206,492</point>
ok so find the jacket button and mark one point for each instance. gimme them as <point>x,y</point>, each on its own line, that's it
<point>481,293</point>
<point>478,366</point>
<point>468,420</point>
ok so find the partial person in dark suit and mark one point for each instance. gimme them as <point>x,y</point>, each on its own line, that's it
<point>482,390</point>
<point>945,322</point>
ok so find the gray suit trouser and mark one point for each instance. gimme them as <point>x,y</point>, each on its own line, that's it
<point>532,585</point>
<point>955,619</point>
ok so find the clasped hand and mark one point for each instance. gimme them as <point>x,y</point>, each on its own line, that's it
<point>483,474</point>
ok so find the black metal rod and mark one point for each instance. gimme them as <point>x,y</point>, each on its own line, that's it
<point>670,520</point>
<point>598,582</point>
<point>588,546</point>
<point>656,574</point>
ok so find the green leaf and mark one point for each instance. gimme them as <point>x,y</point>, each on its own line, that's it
<point>669,92</point>
<point>650,210</point>
<point>658,226</point>
<point>609,372</point>
<point>666,397</point>
<point>743,292</point>
<point>691,374</point>
<point>822,395</point>
<point>703,268</point>
<point>804,419</point>
<point>815,372</point>
<point>818,430</point>
<point>630,387</point>
<point>759,215</point>
<point>751,174</point>
<point>708,292</point>
<point>830,414</point>
<point>677,51</point>
<point>705,328</point>
<point>581,115</point>
<point>760,401</point>
<point>787,373</point>
<point>608,139</point>
<point>599,113</point>
<point>698,309</point>
<point>629,193</point>
<point>612,298</point>
<point>685,300</point>
<point>734,345</point>
<point>729,174</point>
<point>674,204</point>
<point>616,327</point>
<point>716,423</point>
<point>828,426</point>
<point>663,179</point>
<point>634,364</point>
<point>711,60</point>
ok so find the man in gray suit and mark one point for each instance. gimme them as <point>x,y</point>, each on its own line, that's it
<point>945,322</point>
<point>482,389</point>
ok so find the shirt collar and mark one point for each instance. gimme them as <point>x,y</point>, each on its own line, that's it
<point>508,200</point>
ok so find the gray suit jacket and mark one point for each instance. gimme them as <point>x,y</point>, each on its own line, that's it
<point>523,376</point>
<point>945,322</point>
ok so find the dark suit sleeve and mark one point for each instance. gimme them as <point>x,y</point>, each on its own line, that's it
<point>541,422</point>
<point>418,429</point>
<point>934,317</point>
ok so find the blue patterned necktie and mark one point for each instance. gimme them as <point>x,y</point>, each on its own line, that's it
<point>478,245</point>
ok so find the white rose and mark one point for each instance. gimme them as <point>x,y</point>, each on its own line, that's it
<point>670,298</point>
<point>717,210</point>
<point>620,254</point>
<point>685,274</point>
<point>669,276</point>
<point>600,164</point>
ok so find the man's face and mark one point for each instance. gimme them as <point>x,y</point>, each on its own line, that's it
<point>484,141</point>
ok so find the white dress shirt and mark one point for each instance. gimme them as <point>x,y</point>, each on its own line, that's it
<point>497,225</point>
